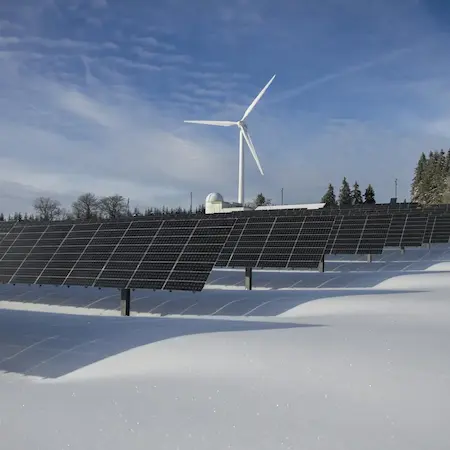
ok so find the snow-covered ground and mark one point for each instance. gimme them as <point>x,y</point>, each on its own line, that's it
<point>341,360</point>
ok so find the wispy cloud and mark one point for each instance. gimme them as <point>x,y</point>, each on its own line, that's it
<point>124,62</point>
<point>170,58</point>
<point>63,43</point>
<point>153,42</point>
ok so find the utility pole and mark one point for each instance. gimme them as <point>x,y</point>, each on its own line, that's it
<point>396,187</point>
<point>190,208</point>
<point>282,196</point>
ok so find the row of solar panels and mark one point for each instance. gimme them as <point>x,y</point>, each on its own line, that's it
<point>180,254</point>
<point>301,242</point>
<point>172,255</point>
<point>348,211</point>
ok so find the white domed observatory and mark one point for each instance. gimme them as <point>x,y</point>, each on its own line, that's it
<point>215,204</point>
<point>214,197</point>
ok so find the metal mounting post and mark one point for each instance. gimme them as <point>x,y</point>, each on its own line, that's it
<point>248,278</point>
<point>321,266</point>
<point>125,301</point>
<point>369,257</point>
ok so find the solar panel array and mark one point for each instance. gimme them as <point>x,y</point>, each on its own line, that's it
<point>298,241</point>
<point>276,242</point>
<point>155,254</point>
<point>178,254</point>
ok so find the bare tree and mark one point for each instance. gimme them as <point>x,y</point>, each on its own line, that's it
<point>65,214</point>
<point>86,206</point>
<point>113,206</point>
<point>47,208</point>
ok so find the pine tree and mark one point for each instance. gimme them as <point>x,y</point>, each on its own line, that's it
<point>447,161</point>
<point>442,160</point>
<point>329,197</point>
<point>432,186</point>
<point>345,197</point>
<point>261,200</point>
<point>369,195</point>
<point>416,187</point>
<point>356,194</point>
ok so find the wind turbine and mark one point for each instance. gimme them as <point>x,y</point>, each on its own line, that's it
<point>243,135</point>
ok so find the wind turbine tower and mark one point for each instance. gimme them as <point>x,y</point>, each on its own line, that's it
<point>244,135</point>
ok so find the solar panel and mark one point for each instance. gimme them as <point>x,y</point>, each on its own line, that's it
<point>14,248</point>
<point>333,233</point>
<point>395,233</point>
<point>414,231</point>
<point>374,234</point>
<point>71,248</point>
<point>5,228</point>
<point>431,219</point>
<point>441,229</point>
<point>154,254</point>
<point>348,235</point>
<point>312,241</point>
<point>231,242</point>
<point>27,240</point>
<point>251,242</point>
<point>276,242</point>
<point>279,248</point>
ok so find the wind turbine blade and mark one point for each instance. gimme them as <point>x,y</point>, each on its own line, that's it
<point>257,99</point>
<point>219,123</point>
<point>248,139</point>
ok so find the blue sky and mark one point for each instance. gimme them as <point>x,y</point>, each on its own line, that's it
<point>93,96</point>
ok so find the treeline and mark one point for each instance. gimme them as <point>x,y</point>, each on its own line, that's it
<point>348,196</point>
<point>430,185</point>
<point>431,182</point>
<point>90,207</point>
